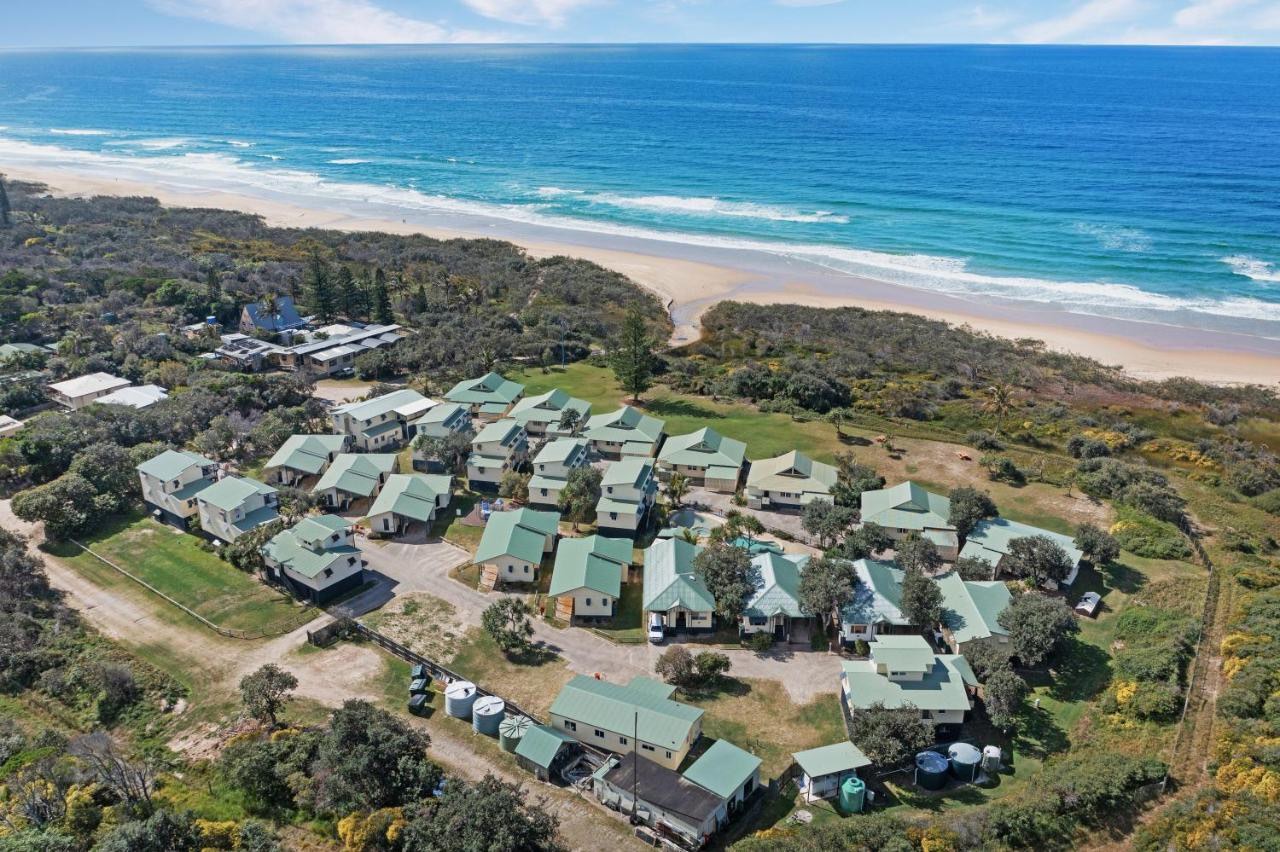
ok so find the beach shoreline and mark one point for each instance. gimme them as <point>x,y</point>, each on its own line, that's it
<point>690,284</point>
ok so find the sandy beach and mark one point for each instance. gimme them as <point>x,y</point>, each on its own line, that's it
<point>690,285</point>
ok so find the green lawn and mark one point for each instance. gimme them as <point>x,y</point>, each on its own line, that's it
<point>448,524</point>
<point>628,621</point>
<point>173,563</point>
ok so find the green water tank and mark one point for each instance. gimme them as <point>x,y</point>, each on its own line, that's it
<point>853,794</point>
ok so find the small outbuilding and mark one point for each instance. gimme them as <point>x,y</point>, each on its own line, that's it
<point>731,773</point>
<point>824,769</point>
<point>543,750</point>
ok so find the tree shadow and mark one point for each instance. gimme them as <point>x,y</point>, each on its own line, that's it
<point>1039,734</point>
<point>854,440</point>
<point>535,655</point>
<point>1081,671</point>
<point>681,408</point>
<point>719,687</point>
<point>1124,578</point>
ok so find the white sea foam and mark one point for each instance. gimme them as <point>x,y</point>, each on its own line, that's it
<point>238,143</point>
<point>1251,267</point>
<point>348,161</point>
<point>77,131</point>
<point>1117,237</point>
<point>948,275</point>
<point>166,143</point>
<point>713,207</point>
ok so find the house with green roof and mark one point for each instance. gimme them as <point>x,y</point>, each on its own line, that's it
<point>824,769</point>
<point>540,415</point>
<point>904,671</point>
<point>233,506</point>
<point>706,458</point>
<point>170,483</point>
<point>774,607</point>
<point>789,482</point>
<point>498,447</point>
<point>441,421</point>
<point>489,397</point>
<point>302,457</point>
<point>672,588</point>
<point>514,543</point>
<point>551,468</point>
<point>729,772</point>
<point>990,539</point>
<point>620,718</point>
<point>588,575</point>
<point>407,499</point>
<point>379,424</point>
<point>316,558</point>
<point>971,610</point>
<point>355,477</point>
<point>543,750</point>
<point>908,508</point>
<point>876,607</point>
<point>628,490</point>
<point>624,433</point>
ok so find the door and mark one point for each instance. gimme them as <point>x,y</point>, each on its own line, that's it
<point>680,620</point>
<point>779,631</point>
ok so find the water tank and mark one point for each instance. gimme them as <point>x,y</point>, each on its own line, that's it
<point>487,715</point>
<point>853,793</point>
<point>211,320</point>
<point>992,759</point>
<point>966,761</point>
<point>512,731</point>
<point>931,770</point>
<point>458,698</point>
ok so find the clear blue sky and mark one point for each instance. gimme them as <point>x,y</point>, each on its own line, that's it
<point>192,22</point>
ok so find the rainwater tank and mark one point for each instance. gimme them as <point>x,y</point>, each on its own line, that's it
<point>458,698</point>
<point>931,770</point>
<point>512,731</point>
<point>966,761</point>
<point>853,793</point>
<point>487,714</point>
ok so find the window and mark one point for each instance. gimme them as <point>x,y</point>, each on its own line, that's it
<point>858,628</point>
<point>328,572</point>
<point>758,620</point>
<point>646,747</point>
<point>613,516</point>
<point>668,755</point>
<point>526,569</point>
<point>570,726</point>
<point>622,740</point>
<point>599,734</point>
<point>588,603</point>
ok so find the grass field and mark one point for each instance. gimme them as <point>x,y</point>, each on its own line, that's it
<point>173,563</point>
<point>628,621</point>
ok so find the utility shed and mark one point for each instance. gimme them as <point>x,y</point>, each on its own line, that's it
<point>728,771</point>
<point>663,799</point>
<point>543,749</point>
<point>824,769</point>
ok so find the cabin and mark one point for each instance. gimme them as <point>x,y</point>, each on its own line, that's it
<point>244,353</point>
<point>660,798</point>
<point>908,508</point>
<point>378,424</point>
<point>134,396</point>
<point>499,447</point>
<point>489,397</point>
<point>76,393</point>
<point>789,482</point>
<point>588,575</point>
<point>170,483</point>
<point>876,607</point>
<point>971,611</point>
<point>316,558</point>
<point>233,506</point>
<point>730,773</point>
<point>822,770</point>
<point>551,468</point>
<point>514,544</point>
<point>774,607</point>
<point>621,718</point>
<point>706,458</point>
<point>302,457</point>
<point>407,499</point>
<point>673,590</point>
<point>628,490</point>
<point>544,751</point>
<point>354,477</point>
<point>275,315</point>
<point>540,415</point>
<point>905,672</point>
<point>625,433</point>
<point>990,539</point>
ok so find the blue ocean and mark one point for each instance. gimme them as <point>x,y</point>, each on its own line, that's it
<point>1139,183</point>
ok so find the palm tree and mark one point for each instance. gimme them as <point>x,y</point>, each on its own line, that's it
<point>678,489</point>
<point>999,403</point>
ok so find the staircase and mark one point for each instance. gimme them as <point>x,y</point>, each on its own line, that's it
<point>564,608</point>
<point>488,578</point>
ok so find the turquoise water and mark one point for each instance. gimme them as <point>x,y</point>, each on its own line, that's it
<point>1138,183</point>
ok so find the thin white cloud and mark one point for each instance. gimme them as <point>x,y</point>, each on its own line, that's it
<point>1268,18</point>
<point>1085,18</point>
<point>530,12</point>
<point>807,2</point>
<point>1202,13</point>
<point>982,17</point>
<point>319,21</point>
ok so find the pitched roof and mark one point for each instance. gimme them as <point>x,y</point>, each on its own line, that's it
<point>594,563</point>
<point>380,405</point>
<point>663,788</point>
<point>942,687</point>
<point>541,743</point>
<point>303,547</point>
<point>172,463</point>
<point>834,759</point>
<point>231,492</point>
<point>500,431</point>
<point>307,453</point>
<point>704,448</point>
<point>877,595</point>
<point>971,609</point>
<point>669,579</point>
<point>89,383</point>
<point>139,396</point>
<point>625,424</point>
<point>642,707</point>
<point>356,473</point>
<point>906,506</point>
<point>994,535</point>
<point>489,388</point>
<point>902,653</point>
<point>548,407</point>
<point>441,412</point>
<point>560,450</point>
<point>778,592</point>
<point>634,472</point>
<point>411,495</point>
<point>521,533</point>
<point>284,318</point>
<point>793,472</point>
<point>723,768</point>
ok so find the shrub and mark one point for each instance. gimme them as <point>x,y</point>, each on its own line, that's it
<point>1148,537</point>
<point>1002,469</point>
<point>985,441</point>
<point>1269,502</point>
<point>761,641</point>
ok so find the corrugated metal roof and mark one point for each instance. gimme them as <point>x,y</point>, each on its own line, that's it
<point>942,688</point>
<point>307,453</point>
<point>704,448</point>
<point>540,745</point>
<point>594,563</point>
<point>723,768</point>
<point>625,424</point>
<point>834,759</point>
<point>906,506</point>
<point>357,473</point>
<point>877,595</point>
<point>172,463</point>
<point>793,472</point>
<point>778,592</point>
<point>231,492</point>
<point>669,579</point>
<point>522,533</point>
<point>411,495</point>
<point>971,609</point>
<point>627,710</point>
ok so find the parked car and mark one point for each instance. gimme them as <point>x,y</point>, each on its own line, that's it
<point>657,631</point>
<point>1089,603</point>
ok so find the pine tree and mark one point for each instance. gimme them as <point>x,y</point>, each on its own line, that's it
<point>212,287</point>
<point>320,288</point>
<point>633,359</point>
<point>4,206</point>
<point>347,292</point>
<point>381,309</point>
